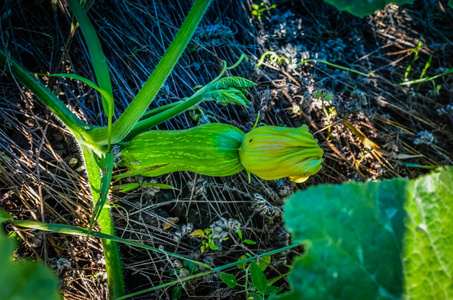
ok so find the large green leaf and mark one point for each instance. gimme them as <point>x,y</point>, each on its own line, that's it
<point>428,255</point>
<point>362,8</point>
<point>377,240</point>
<point>24,280</point>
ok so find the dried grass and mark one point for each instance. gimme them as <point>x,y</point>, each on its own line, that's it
<point>38,183</point>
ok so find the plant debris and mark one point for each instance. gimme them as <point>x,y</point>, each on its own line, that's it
<point>395,130</point>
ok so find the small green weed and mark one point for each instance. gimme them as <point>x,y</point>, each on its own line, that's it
<point>326,96</point>
<point>186,269</point>
<point>250,242</point>
<point>273,57</point>
<point>416,50</point>
<point>258,9</point>
<point>207,240</point>
<point>255,283</point>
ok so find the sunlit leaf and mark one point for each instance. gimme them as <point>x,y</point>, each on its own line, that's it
<point>242,264</point>
<point>240,234</point>
<point>250,242</point>
<point>264,262</point>
<point>376,240</point>
<point>171,221</point>
<point>233,82</point>
<point>226,97</point>
<point>197,233</point>
<point>4,216</point>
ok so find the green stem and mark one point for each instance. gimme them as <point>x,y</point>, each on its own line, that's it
<point>164,285</point>
<point>247,293</point>
<point>74,230</point>
<point>344,68</point>
<point>335,66</point>
<point>98,61</point>
<point>160,115</point>
<point>135,110</point>
<point>254,257</point>
<point>159,109</point>
<point>96,53</point>
<point>165,115</point>
<point>225,67</point>
<point>77,126</point>
<point>206,273</point>
<point>421,80</point>
<point>111,250</point>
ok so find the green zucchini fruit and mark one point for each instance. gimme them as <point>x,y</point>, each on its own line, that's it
<point>210,149</point>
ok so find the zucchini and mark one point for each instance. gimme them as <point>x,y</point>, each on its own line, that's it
<point>210,149</point>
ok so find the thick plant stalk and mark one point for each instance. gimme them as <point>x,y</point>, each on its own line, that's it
<point>111,250</point>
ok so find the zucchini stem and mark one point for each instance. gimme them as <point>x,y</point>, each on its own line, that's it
<point>141,102</point>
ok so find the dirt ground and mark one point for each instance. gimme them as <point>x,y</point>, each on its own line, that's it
<point>369,125</point>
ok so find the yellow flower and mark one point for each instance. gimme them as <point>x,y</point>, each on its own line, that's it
<point>273,152</point>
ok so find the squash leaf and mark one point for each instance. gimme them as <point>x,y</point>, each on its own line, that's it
<point>24,280</point>
<point>362,8</point>
<point>228,90</point>
<point>376,240</point>
<point>232,82</point>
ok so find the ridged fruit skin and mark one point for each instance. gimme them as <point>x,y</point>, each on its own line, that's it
<point>272,152</point>
<point>210,149</point>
